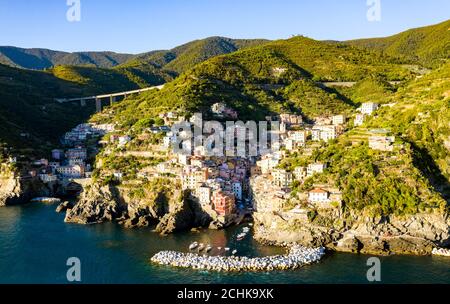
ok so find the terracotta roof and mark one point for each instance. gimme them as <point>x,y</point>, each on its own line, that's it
<point>318,190</point>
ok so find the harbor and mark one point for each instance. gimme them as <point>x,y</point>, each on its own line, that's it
<point>296,257</point>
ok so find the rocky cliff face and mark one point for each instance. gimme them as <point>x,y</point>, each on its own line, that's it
<point>108,203</point>
<point>97,205</point>
<point>355,232</point>
<point>15,191</point>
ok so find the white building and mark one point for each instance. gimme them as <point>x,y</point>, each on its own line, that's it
<point>300,173</point>
<point>298,136</point>
<point>369,107</point>
<point>282,178</point>
<point>76,161</point>
<point>315,168</point>
<point>318,196</point>
<point>123,140</point>
<point>315,134</point>
<point>338,120</point>
<point>292,145</point>
<point>204,194</point>
<point>267,164</point>
<point>359,120</point>
<point>325,133</point>
<point>75,171</point>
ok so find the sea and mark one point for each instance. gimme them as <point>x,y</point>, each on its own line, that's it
<point>36,244</point>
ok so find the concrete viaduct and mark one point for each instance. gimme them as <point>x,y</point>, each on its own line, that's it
<point>112,97</point>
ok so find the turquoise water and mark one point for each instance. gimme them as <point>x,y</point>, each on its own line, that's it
<point>35,244</point>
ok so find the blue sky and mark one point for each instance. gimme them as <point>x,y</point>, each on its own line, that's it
<point>136,26</point>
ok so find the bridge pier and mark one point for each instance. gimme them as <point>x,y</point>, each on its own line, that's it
<point>112,100</point>
<point>83,102</point>
<point>98,104</point>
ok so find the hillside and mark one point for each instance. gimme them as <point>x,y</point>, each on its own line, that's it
<point>30,118</point>
<point>276,77</point>
<point>429,45</point>
<point>40,59</point>
<point>183,57</point>
<point>102,80</point>
<point>415,177</point>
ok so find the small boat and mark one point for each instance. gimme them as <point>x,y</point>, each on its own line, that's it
<point>201,247</point>
<point>234,252</point>
<point>219,248</point>
<point>251,224</point>
<point>246,230</point>
<point>208,249</point>
<point>193,246</point>
<point>241,236</point>
<point>227,249</point>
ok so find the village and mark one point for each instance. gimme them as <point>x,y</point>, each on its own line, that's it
<point>224,186</point>
<point>230,185</point>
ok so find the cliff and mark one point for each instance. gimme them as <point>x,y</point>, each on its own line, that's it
<point>165,207</point>
<point>17,191</point>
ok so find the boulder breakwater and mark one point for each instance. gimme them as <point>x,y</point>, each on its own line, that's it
<point>296,257</point>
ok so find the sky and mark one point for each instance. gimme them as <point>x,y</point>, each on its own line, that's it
<point>136,26</point>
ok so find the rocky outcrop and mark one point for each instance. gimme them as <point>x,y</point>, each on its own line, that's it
<point>64,206</point>
<point>180,219</point>
<point>97,205</point>
<point>184,215</point>
<point>17,191</point>
<point>100,204</point>
<point>359,233</point>
<point>138,216</point>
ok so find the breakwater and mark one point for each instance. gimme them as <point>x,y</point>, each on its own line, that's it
<point>296,257</point>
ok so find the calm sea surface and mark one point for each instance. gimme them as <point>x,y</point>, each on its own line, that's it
<point>35,244</point>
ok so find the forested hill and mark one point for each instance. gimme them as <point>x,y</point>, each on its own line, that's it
<point>429,45</point>
<point>177,60</point>
<point>40,59</point>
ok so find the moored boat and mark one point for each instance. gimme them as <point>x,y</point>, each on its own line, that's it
<point>193,246</point>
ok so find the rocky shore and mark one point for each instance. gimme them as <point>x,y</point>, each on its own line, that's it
<point>358,233</point>
<point>297,257</point>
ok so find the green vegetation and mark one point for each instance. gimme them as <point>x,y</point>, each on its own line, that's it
<point>372,89</point>
<point>30,118</point>
<point>40,59</point>
<point>429,45</point>
<point>180,59</point>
